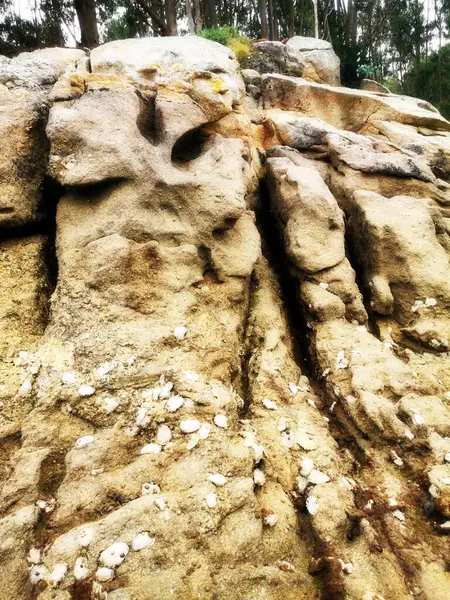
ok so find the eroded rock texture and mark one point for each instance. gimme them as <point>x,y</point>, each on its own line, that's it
<point>224,354</point>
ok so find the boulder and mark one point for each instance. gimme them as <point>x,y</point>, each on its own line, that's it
<point>312,59</point>
<point>321,64</point>
<point>369,85</point>
<point>25,84</point>
<point>224,361</point>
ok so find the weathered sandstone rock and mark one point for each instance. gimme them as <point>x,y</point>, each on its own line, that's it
<point>224,360</point>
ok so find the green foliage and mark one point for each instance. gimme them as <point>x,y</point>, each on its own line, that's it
<point>230,37</point>
<point>219,34</point>
<point>433,80</point>
<point>242,49</point>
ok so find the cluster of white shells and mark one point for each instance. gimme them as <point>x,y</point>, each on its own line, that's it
<point>109,560</point>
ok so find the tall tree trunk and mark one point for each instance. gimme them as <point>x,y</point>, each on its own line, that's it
<point>316,20</point>
<point>87,19</point>
<point>171,17</point>
<point>291,18</point>
<point>263,18</point>
<point>271,28</point>
<point>276,27</point>
<point>190,18</point>
<point>211,13</point>
<point>198,16</point>
<point>302,14</point>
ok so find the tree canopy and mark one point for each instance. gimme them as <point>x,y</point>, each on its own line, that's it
<point>401,43</point>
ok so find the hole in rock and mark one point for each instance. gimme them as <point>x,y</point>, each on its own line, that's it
<point>189,146</point>
<point>52,191</point>
<point>146,121</point>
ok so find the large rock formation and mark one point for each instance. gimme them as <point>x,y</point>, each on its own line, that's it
<point>224,352</point>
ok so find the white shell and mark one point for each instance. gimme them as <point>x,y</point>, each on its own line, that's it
<point>114,555</point>
<point>180,332</point>
<point>293,388</point>
<point>221,421</point>
<point>302,484</point>
<point>270,520</point>
<point>312,505</point>
<point>25,388</point>
<point>165,390</point>
<point>269,404</point>
<point>141,541</point>
<point>323,285</point>
<point>104,574</point>
<point>84,441</point>
<point>160,502</point>
<point>347,568</point>
<point>151,449</point>
<point>164,434</point>
<point>104,369</point>
<point>34,556</point>
<point>218,479</point>
<point>316,477</point>
<point>189,425</point>
<point>110,404</point>
<point>399,515</point>
<point>204,431</point>
<point>174,403</point>
<point>68,378</point>
<point>86,390</point>
<point>58,574</point>
<point>211,500</point>
<point>259,452</point>
<point>190,376</point>
<point>85,537</point>
<point>417,419</point>
<point>447,457</point>
<point>258,477</point>
<point>80,570</point>
<point>150,488</point>
<point>37,574</point>
<point>142,419</point>
<point>306,467</point>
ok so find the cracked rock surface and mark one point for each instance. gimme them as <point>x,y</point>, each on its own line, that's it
<point>225,331</point>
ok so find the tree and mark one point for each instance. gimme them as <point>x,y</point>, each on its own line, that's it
<point>87,20</point>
